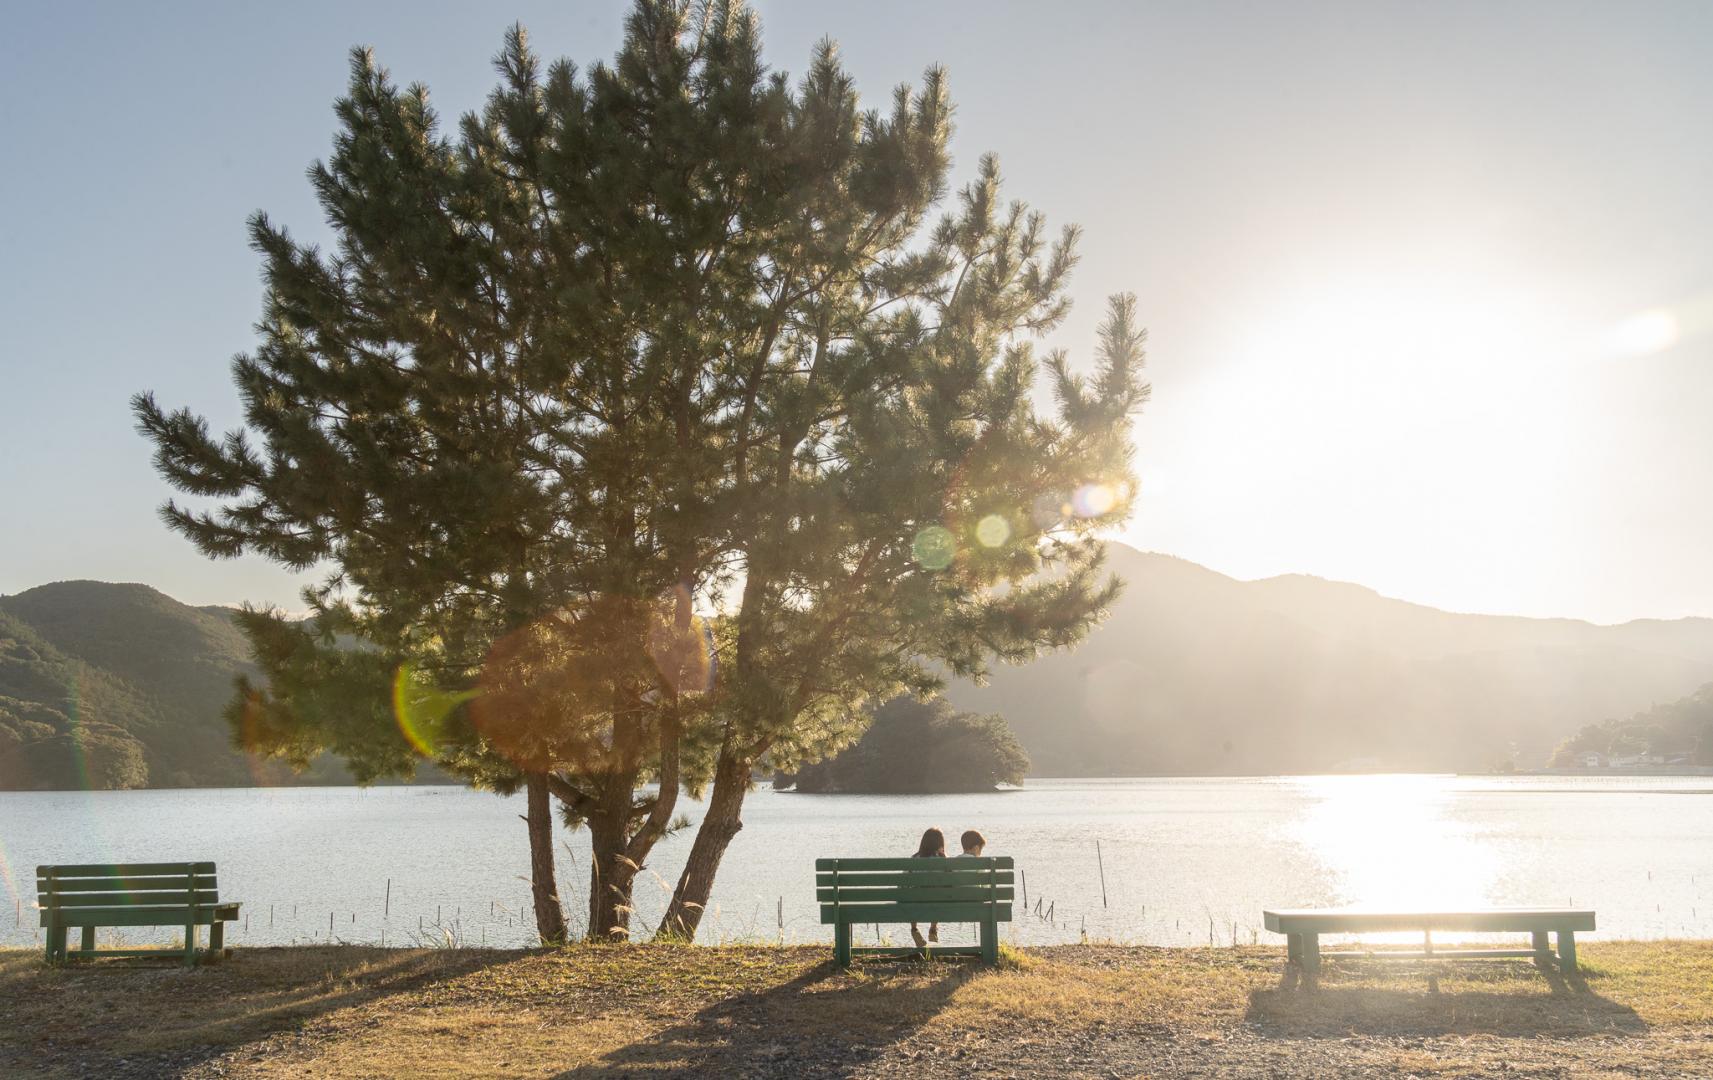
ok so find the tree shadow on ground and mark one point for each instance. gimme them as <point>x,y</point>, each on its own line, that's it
<point>88,1011</point>
<point>1398,999</point>
<point>825,1022</point>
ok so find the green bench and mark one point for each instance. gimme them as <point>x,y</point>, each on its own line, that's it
<point>856,892</point>
<point>1302,929</point>
<point>138,894</point>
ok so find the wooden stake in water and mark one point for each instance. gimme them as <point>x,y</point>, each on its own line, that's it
<point>387,904</point>
<point>1102,865</point>
<point>1023,879</point>
<point>329,926</point>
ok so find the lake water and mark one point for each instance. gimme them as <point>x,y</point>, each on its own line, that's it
<point>1183,861</point>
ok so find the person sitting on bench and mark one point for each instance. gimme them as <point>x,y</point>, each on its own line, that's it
<point>933,846</point>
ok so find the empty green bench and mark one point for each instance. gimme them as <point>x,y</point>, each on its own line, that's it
<point>854,892</point>
<point>138,894</point>
<point>1302,929</point>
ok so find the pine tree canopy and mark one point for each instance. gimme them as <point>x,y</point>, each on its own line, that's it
<point>648,419</point>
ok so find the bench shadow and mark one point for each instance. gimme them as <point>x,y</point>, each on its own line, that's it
<point>213,1009</point>
<point>1487,998</point>
<point>825,1022</point>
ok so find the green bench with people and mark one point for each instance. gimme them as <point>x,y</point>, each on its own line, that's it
<point>136,894</point>
<point>923,888</point>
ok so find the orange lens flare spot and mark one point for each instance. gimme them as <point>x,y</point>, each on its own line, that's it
<point>681,644</point>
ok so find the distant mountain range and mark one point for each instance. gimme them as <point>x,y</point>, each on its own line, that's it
<point>109,685</point>
<point>1199,673</point>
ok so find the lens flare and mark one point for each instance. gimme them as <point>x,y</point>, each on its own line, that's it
<point>1647,332</point>
<point>993,531</point>
<point>681,644</point>
<point>934,548</point>
<point>1093,500</point>
<point>421,708</point>
<point>10,881</point>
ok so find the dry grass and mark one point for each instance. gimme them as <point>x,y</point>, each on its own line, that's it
<point>1642,1009</point>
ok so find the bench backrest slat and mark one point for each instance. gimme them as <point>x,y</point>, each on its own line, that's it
<point>101,870</point>
<point>912,894</point>
<point>956,863</point>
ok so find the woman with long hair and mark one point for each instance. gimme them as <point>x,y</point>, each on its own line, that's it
<point>933,846</point>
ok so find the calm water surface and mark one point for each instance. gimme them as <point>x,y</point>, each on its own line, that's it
<point>1184,860</point>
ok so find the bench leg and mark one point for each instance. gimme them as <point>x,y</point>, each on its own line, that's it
<point>88,942</point>
<point>216,939</point>
<point>990,939</point>
<point>1567,952</point>
<point>842,944</point>
<point>189,944</point>
<point>1543,950</point>
<point>1311,956</point>
<point>56,941</point>
<point>1294,950</point>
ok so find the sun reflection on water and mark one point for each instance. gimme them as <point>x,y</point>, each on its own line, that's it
<point>1390,842</point>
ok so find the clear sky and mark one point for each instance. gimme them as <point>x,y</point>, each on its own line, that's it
<point>1430,286</point>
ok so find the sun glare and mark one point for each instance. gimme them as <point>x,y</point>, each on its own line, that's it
<point>1648,332</point>
<point>1390,842</point>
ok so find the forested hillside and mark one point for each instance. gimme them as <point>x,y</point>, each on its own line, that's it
<point>917,747</point>
<point>112,686</point>
<point>1678,731</point>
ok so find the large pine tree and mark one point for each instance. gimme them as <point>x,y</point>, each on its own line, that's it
<point>655,362</point>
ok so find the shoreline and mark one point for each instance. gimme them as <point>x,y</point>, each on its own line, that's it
<point>1663,772</point>
<point>1637,1009</point>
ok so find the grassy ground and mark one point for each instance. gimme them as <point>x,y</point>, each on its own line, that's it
<point>1641,1009</point>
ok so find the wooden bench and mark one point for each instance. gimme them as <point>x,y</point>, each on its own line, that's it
<point>1302,929</point>
<point>957,890</point>
<point>138,894</point>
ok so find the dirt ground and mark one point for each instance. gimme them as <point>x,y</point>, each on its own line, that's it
<point>1639,1010</point>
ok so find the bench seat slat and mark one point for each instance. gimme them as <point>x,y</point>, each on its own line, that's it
<point>1421,954</point>
<point>997,862</point>
<point>164,952</point>
<point>922,913</point>
<point>100,870</point>
<point>204,898</point>
<point>914,894</point>
<point>1358,921</point>
<point>825,878</point>
<point>144,916</point>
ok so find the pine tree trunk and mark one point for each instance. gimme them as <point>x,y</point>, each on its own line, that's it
<point>549,914</point>
<point>612,877</point>
<point>719,826</point>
